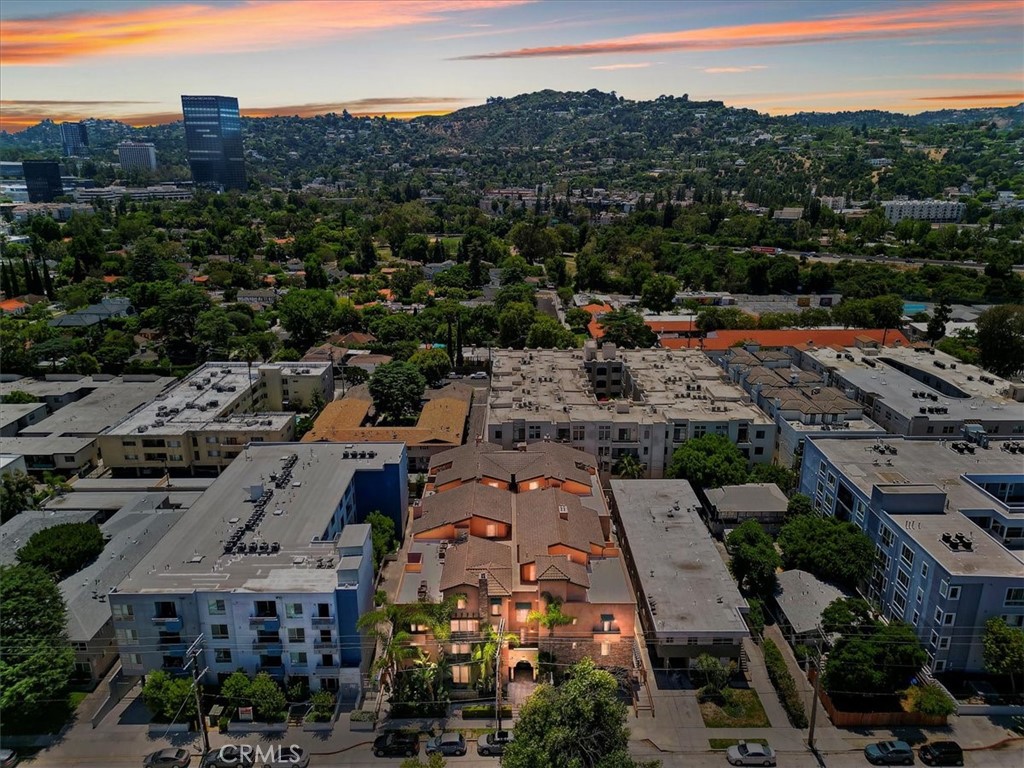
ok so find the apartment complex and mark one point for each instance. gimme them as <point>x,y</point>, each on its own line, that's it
<point>505,532</point>
<point>201,424</point>
<point>613,403</point>
<point>947,518</point>
<point>441,424</point>
<point>271,567</point>
<point>920,391</point>
<point>687,601</point>
<point>935,211</point>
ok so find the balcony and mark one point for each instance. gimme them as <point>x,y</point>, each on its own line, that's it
<point>268,646</point>
<point>269,623</point>
<point>321,667</point>
<point>325,645</point>
<point>610,629</point>
<point>168,623</point>
<point>323,621</point>
<point>274,670</point>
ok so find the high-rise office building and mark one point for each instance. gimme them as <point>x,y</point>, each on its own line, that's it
<point>135,155</point>
<point>213,134</point>
<point>42,178</point>
<point>74,138</point>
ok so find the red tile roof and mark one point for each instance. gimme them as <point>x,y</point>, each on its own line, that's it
<point>12,305</point>
<point>671,326</point>
<point>594,327</point>
<point>847,337</point>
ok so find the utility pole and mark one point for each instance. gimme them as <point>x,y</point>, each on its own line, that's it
<point>814,700</point>
<point>197,687</point>
<point>497,671</point>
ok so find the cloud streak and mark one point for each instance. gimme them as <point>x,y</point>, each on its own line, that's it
<point>614,67</point>
<point>731,70</point>
<point>172,29</point>
<point>890,23</point>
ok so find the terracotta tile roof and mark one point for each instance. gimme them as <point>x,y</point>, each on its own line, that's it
<point>722,340</point>
<point>474,462</point>
<point>462,503</point>
<point>464,562</point>
<point>552,517</point>
<point>594,327</point>
<point>558,568</point>
<point>12,305</point>
<point>352,339</point>
<point>670,326</point>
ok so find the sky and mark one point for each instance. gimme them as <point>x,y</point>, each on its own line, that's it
<point>132,59</point>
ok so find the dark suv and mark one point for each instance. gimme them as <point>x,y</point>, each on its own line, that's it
<point>942,753</point>
<point>396,744</point>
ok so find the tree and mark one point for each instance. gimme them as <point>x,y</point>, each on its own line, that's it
<point>247,349</point>
<point>579,724</point>
<point>16,491</point>
<point>552,615</point>
<point>713,674</point>
<point>434,364</point>
<point>37,661</point>
<point>659,293</point>
<point>626,328</point>
<point>307,315</point>
<point>785,478</point>
<point>18,397</point>
<point>848,616</point>
<point>754,559</point>
<point>827,547</point>
<point>169,698</point>
<point>799,504</point>
<point>396,389</point>
<point>1001,339</point>
<point>937,322</point>
<point>382,532</point>
<point>629,467</point>
<point>213,333</point>
<point>433,761</point>
<point>547,333</point>
<point>267,698</point>
<point>514,324</point>
<point>877,663</point>
<point>1003,650</point>
<point>63,549</point>
<point>710,461</point>
<point>235,689</point>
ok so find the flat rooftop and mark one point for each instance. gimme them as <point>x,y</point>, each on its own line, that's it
<point>681,573</point>
<point>11,413</point>
<point>46,446</point>
<point>191,555</point>
<point>553,385</point>
<point>960,389</point>
<point>206,400</point>
<point>60,384</point>
<point>99,410</point>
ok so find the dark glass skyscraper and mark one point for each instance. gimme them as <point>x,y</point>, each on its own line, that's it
<point>213,134</point>
<point>42,179</point>
<point>74,138</point>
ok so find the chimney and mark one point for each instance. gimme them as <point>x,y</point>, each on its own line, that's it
<point>483,598</point>
<point>513,486</point>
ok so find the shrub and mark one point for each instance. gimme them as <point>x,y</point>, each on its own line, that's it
<point>483,712</point>
<point>63,549</point>
<point>323,707</point>
<point>755,617</point>
<point>362,716</point>
<point>930,699</point>
<point>784,684</point>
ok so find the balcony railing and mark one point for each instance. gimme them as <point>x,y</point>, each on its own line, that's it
<point>268,646</point>
<point>323,621</point>
<point>325,645</point>
<point>600,629</point>
<point>168,623</point>
<point>320,666</point>
<point>270,623</point>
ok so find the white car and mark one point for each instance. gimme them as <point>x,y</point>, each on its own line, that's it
<point>750,754</point>
<point>478,375</point>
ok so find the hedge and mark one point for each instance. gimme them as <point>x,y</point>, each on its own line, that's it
<point>362,716</point>
<point>483,712</point>
<point>784,684</point>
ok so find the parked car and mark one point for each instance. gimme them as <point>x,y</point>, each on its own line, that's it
<point>454,375</point>
<point>750,753</point>
<point>941,753</point>
<point>290,757</point>
<point>493,743</point>
<point>8,758</point>
<point>889,753</point>
<point>478,375</point>
<point>168,758</point>
<point>396,744</point>
<point>227,756</point>
<point>448,743</point>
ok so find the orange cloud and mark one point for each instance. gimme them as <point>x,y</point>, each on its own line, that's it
<point>1006,99</point>
<point>208,27</point>
<point>902,22</point>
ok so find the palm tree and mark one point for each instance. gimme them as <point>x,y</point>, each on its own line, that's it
<point>484,653</point>
<point>552,615</point>
<point>389,624</point>
<point>247,350</point>
<point>630,468</point>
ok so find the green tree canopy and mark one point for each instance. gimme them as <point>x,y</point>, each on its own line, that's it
<point>1003,650</point>
<point>63,549</point>
<point>397,389</point>
<point>434,364</point>
<point>547,333</point>
<point>579,724</point>
<point>710,461</point>
<point>382,531</point>
<point>16,489</point>
<point>626,328</point>
<point>36,661</point>
<point>1001,339</point>
<point>876,663</point>
<point>799,504</point>
<point>754,559</point>
<point>827,547</point>
<point>268,700</point>
<point>783,477</point>
<point>169,698</point>
<point>307,315</point>
<point>659,293</point>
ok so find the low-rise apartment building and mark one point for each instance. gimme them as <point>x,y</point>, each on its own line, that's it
<point>935,211</point>
<point>271,568</point>
<point>947,518</point>
<point>613,403</point>
<point>205,421</point>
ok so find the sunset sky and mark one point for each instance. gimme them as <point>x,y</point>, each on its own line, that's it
<point>131,60</point>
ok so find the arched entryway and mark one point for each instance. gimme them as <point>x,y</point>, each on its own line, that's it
<point>523,672</point>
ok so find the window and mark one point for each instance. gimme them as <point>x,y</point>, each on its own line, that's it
<point>888,537</point>
<point>831,480</point>
<point>938,616</point>
<point>902,579</point>
<point>700,430</point>
<point>298,658</point>
<point>899,603</point>
<point>464,625</point>
<point>497,434</point>
<point>604,433</point>
<point>579,433</point>
<point>462,674</point>
<point>165,610</point>
<point>933,640</point>
<point>920,595</point>
<point>1014,597</point>
<point>131,457</point>
<point>132,659</point>
<point>943,643</point>
<point>127,636</point>
<point>219,631</point>
<point>461,649</point>
<point>943,587</point>
<point>949,619</point>
<point>939,665</point>
<point>606,648</point>
<point>916,618</point>
<point>495,606</point>
<point>217,607</point>
<point>214,454</point>
<point>222,655</point>
<point>924,570</point>
<point>266,608</point>
<point>522,611</point>
<point>759,434</point>
<point>296,635</point>
<point>293,610</point>
<point>1013,620</point>
<point>460,603</point>
<point>759,451</point>
<point>80,646</point>
<point>122,612</point>
<point>907,555</point>
<point>954,593</point>
<point>692,641</point>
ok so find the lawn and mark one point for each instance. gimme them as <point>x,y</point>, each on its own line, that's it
<point>76,698</point>
<point>726,743</point>
<point>738,708</point>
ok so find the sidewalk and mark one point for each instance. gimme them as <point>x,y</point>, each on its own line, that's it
<point>759,681</point>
